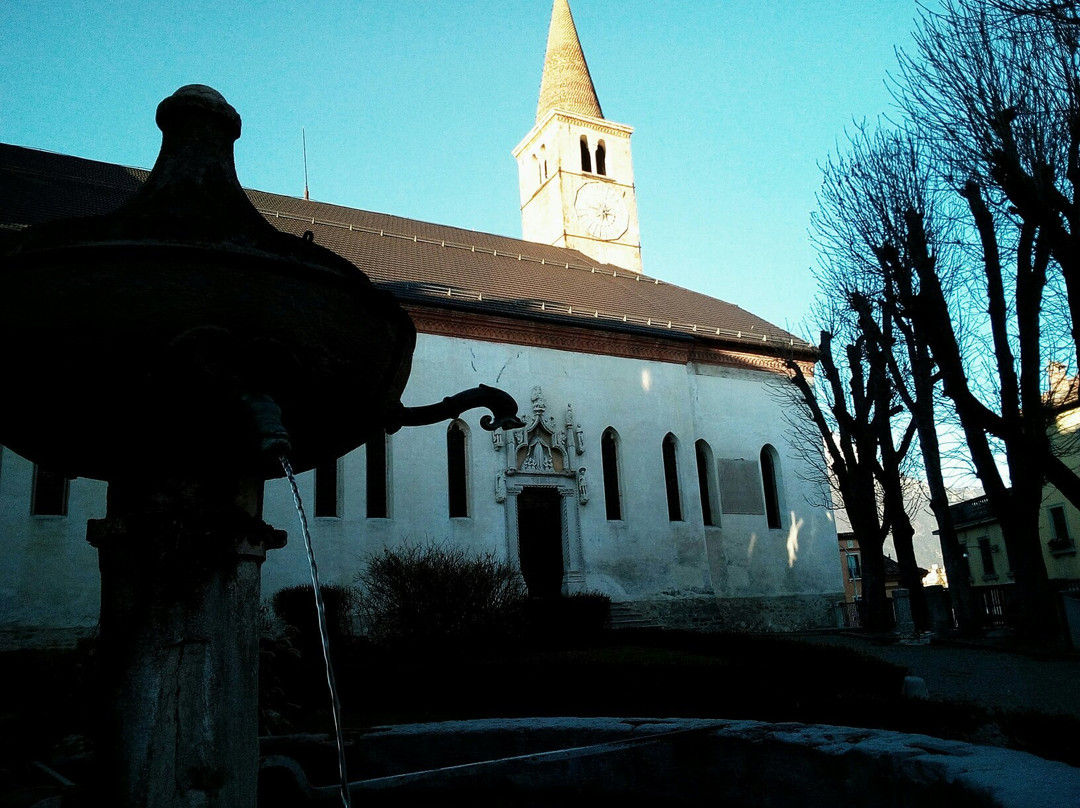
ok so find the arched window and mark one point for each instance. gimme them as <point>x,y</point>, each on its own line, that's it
<point>710,504</point>
<point>586,159</point>
<point>601,158</point>
<point>49,494</point>
<point>457,470</point>
<point>770,483</point>
<point>378,506</point>
<point>609,455</point>
<point>671,479</point>
<point>327,502</point>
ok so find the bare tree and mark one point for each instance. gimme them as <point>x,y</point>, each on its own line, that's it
<point>1066,12</point>
<point>994,90</point>
<point>861,233</point>
<point>853,415</point>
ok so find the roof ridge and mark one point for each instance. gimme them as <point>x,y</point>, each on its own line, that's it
<point>549,306</point>
<point>556,308</point>
<point>442,242</point>
<point>616,298</point>
<point>80,178</point>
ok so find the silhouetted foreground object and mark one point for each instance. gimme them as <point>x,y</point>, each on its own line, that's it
<point>172,310</point>
<point>206,345</point>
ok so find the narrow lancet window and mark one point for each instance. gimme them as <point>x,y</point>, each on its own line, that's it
<point>706,483</point>
<point>457,470</point>
<point>671,479</point>
<point>377,489</point>
<point>768,480</point>
<point>326,489</point>
<point>609,455</point>
<point>601,158</point>
<point>49,495</point>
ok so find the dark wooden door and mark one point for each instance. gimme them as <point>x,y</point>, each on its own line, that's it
<point>540,541</point>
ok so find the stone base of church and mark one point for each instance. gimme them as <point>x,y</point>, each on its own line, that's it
<point>777,613</point>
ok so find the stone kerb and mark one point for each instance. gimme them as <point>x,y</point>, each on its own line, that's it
<point>697,762</point>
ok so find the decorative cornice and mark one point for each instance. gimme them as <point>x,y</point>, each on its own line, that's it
<point>560,337</point>
<point>599,124</point>
<point>559,116</point>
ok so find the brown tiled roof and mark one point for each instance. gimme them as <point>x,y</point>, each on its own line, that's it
<point>566,83</point>
<point>424,263</point>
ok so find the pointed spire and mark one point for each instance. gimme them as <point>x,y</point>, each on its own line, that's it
<point>566,83</point>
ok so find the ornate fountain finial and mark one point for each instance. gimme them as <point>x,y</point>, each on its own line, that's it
<point>197,99</point>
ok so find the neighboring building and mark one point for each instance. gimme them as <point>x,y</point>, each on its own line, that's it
<point>851,569</point>
<point>1059,520</point>
<point>989,570</point>
<point>655,465</point>
<point>936,577</point>
<point>850,566</point>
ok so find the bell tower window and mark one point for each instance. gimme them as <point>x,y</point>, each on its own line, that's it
<point>586,158</point>
<point>601,158</point>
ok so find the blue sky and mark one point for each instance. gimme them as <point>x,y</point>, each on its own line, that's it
<point>412,107</point>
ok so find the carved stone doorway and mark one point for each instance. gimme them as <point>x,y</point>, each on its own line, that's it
<point>540,540</point>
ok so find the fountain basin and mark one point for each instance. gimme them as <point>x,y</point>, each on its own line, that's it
<point>133,339</point>
<point>555,761</point>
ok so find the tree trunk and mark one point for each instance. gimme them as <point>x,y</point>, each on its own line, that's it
<point>910,578</point>
<point>877,611</point>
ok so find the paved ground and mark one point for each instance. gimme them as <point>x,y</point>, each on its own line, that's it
<point>991,673</point>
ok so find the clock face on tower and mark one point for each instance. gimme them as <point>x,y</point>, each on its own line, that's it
<point>602,211</point>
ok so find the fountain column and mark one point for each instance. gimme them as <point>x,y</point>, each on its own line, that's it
<point>180,593</point>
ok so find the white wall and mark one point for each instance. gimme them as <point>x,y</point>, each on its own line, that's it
<point>641,556</point>
<point>48,573</point>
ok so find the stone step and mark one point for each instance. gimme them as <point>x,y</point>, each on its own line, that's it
<point>625,615</point>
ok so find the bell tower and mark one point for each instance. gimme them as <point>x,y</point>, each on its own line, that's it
<point>574,170</point>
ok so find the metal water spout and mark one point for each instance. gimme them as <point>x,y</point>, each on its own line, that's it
<point>176,347</point>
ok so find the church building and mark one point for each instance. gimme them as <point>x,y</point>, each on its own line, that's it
<point>655,464</point>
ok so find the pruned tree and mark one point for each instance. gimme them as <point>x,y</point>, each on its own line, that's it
<point>861,232</point>
<point>853,416</point>
<point>994,90</point>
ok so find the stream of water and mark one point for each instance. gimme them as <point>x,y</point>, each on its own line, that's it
<point>346,800</point>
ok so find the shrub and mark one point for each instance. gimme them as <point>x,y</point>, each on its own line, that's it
<point>295,606</point>
<point>574,617</point>
<point>435,593</point>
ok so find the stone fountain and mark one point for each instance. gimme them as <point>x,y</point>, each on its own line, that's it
<point>177,348</point>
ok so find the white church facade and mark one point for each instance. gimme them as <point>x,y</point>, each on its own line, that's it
<point>655,464</point>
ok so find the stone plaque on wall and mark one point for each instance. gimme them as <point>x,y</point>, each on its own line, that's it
<point>740,487</point>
